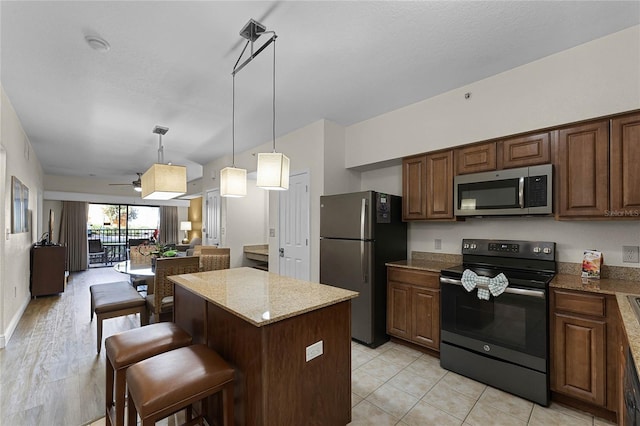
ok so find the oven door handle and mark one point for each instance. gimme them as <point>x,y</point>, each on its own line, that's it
<point>512,290</point>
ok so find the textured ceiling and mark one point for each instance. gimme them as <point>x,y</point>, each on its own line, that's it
<point>92,113</point>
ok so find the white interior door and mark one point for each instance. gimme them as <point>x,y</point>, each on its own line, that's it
<point>294,228</point>
<point>212,226</point>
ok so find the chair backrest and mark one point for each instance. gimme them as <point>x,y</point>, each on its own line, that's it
<point>166,267</point>
<point>141,255</point>
<point>215,250</point>
<point>214,262</point>
<point>95,246</point>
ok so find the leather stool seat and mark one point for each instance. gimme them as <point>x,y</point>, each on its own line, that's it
<point>169,382</point>
<point>129,347</point>
<point>113,300</point>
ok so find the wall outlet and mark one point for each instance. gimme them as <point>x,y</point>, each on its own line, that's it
<point>631,254</point>
<point>314,351</point>
<point>437,244</point>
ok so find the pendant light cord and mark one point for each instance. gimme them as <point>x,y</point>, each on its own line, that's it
<point>274,94</point>
<point>233,123</point>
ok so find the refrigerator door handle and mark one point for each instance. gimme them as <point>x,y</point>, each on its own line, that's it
<point>363,259</point>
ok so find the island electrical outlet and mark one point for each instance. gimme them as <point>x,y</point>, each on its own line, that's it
<point>314,351</point>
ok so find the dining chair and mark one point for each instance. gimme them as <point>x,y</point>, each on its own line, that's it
<point>141,255</point>
<point>214,258</point>
<point>160,293</point>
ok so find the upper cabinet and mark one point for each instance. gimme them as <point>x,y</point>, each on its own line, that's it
<point>522,151</point>
<point>414,187</point>
<point>476,158</point>
<point>597,170</point>
<point>427,186</point>
<point>582,169</point>
<point>625,161</point>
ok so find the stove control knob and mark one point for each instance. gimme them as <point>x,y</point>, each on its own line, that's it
<point>547,250</point>
<point>536,249</point>
<point>465,246</point>
<point>473,246</point>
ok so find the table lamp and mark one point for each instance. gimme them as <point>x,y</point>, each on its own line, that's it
<point>185,226</point>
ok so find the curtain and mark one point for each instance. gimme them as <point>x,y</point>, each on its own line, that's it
<point>73,234</point>
<point>169,225</point>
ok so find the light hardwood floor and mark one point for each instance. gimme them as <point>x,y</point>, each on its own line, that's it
<point>50,373</point>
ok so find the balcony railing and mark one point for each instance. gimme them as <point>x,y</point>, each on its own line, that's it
<point>116,241</point>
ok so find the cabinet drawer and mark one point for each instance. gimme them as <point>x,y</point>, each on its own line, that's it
<point>580,303</point>
<point>419,278</point>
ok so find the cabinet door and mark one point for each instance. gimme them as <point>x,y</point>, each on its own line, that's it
<point>523,151</point>
<point>398,309</point>
<point>440,185</point>
<point>579,358</point>
<point>583,170</point>
<point>414,188</point>
<point>476,158</point>
<point>425,312</point>
<point>625,158</point>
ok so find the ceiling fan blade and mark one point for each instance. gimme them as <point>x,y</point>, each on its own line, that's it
<point>118,184</point>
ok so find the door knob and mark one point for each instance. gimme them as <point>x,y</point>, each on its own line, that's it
<point>281,250</point>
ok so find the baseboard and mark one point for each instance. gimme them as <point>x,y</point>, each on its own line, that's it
<point>4,338</point>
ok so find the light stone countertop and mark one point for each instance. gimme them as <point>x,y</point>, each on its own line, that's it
<point>604,285</point>
<point>261,297</point>
<point>422,265</point>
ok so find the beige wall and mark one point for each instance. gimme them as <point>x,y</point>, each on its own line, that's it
<point>21,162</point>
<point>195,217</point>
<point>590,80</point>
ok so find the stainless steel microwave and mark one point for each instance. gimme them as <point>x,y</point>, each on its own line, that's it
<point>521,191</point>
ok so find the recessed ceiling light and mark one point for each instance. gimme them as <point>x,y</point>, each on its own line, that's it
<point>97,43</point>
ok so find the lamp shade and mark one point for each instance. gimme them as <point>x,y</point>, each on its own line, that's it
<point>164,182</point>
<point>233,182</point>
<point>185,225</point>
<point>273,171</point>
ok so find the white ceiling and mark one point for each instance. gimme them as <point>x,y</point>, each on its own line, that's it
<point>92,113</point>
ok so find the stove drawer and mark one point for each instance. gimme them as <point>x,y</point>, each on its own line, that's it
<point>580,303</point>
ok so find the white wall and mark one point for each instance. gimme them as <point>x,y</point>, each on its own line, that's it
<point>337,179</point>
<point>591,80</point>
<point>21,162</point>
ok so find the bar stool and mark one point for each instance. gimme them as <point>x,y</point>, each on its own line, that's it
<point>167,383</point>
<point>129,347</point>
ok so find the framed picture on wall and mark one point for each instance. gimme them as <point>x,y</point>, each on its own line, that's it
<point>20,206</point>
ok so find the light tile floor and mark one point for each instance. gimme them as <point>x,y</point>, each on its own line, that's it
<point>397,385</point>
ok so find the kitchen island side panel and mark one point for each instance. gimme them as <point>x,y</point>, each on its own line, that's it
<point>274,383</point>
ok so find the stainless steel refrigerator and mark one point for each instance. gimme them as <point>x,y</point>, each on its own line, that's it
<point>359,233</point>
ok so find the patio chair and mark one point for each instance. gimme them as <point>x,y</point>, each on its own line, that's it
<point>96,251</point>
<point>160,293</point>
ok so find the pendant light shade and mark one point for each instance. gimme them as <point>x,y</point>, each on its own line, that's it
<point>233,182</point>
<point>273,171</point>
<point>163,181</point>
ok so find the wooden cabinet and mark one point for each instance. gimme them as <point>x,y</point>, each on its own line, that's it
<point>414,187</point>
<point>413,306</point>
<point>476,158</point>
<point>584,347</point>
<point>427,186</point>
<point>440,185</point>
<point>48,265</point>
<point>582,170</point>
<point>523,151</point>
<point>625,159</point>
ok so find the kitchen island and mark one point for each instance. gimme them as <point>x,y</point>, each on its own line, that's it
<point>263,324</point>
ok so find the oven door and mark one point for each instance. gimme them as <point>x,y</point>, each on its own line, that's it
<point>511,327</point>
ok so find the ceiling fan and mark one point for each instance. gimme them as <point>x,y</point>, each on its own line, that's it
<point>137,184</point>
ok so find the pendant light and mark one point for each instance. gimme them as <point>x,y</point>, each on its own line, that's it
<point>233,181</point>
<point>273,167</point>
<point>163,181</point>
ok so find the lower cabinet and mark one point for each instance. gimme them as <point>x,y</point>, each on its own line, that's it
<point>413,306</point>
<point>584,348</point>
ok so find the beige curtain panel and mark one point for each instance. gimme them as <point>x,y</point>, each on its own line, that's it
<point>169,225</point>
<point>73,234</point>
